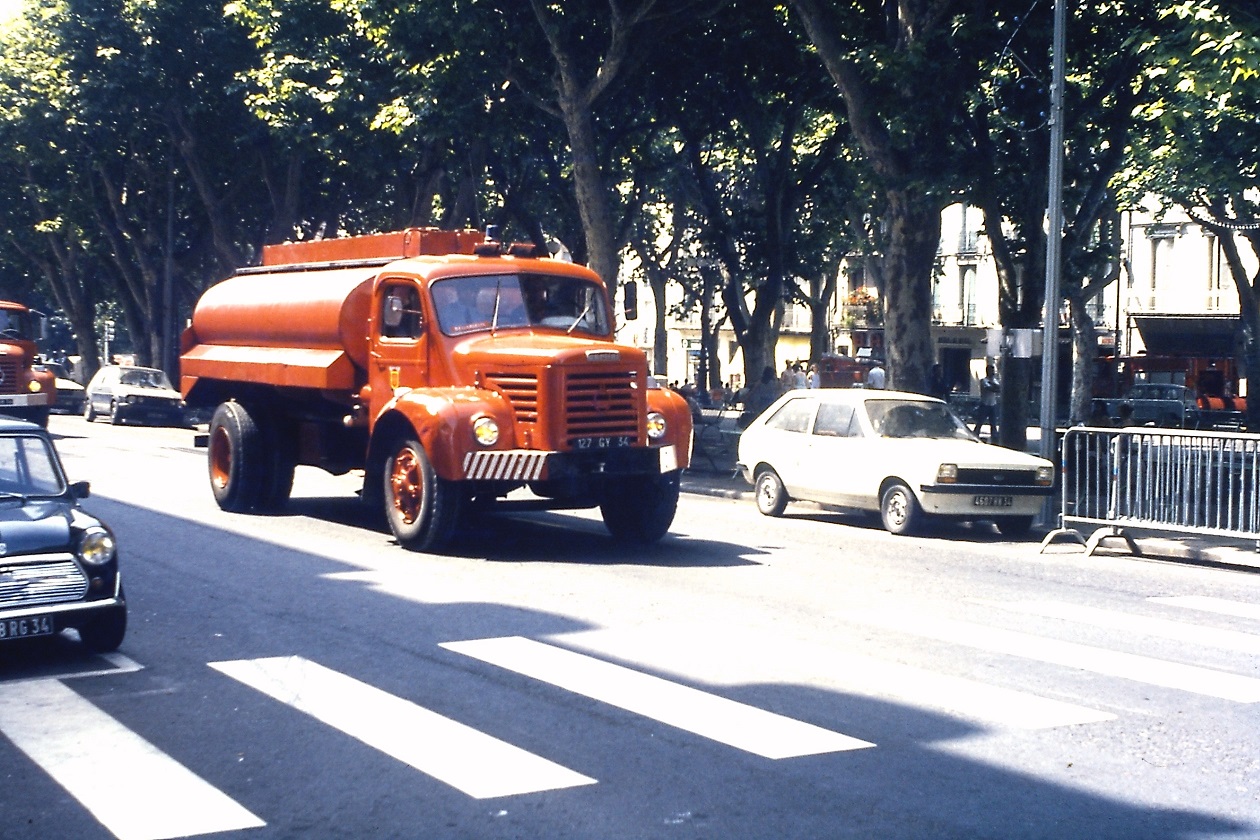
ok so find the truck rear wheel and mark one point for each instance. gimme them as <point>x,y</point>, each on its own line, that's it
<point>422,509</point>
<point>249,467</point>
<point>640,509</point>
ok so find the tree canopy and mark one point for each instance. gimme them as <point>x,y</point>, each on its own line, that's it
<point>738,148</point>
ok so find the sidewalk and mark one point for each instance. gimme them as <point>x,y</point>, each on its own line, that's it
<point>720,480</point>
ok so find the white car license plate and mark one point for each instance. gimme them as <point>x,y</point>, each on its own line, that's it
<point>993,501</point>
<point>24,628</point>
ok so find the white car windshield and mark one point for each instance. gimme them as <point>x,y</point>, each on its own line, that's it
<point>472,304</point>
<point>915,419</point>
<point>28,468</point>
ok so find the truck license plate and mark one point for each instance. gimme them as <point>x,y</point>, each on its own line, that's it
<point>25,628</point>
<point>993,501</point>
<point>603,442</point>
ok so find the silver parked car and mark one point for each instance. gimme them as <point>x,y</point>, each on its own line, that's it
<point>907,456</point>
<point>125,393</point>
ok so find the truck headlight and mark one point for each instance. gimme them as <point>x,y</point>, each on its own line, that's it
<point>34,387</point>
<point>97,547</point>
<point>655,425</point>
<point>486,431</point>
<point>1045,476</point>
<point>947,474</point>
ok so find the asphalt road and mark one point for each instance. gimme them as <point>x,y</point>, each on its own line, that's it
<point>300,675</point>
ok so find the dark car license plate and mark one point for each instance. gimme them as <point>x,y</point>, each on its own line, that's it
<point>604,442</point>
<point>25,628</point>
<point>993,501</point>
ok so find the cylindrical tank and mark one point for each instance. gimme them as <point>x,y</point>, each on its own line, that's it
<point>324,310</point>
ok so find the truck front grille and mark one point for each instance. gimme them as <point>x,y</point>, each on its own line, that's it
<point>10,375</point>
<point>601,404</point>
<point>593,407</point>
<point>50,582</point>
<point>521,390</point>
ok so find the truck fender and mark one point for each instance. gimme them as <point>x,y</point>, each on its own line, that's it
<point>441,420</point>
<point>678,422</point>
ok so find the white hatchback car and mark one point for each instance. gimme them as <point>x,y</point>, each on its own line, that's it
<point>907,456</point>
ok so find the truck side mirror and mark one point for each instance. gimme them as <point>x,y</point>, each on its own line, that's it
<point>630,300</point>
<point>394,310</point>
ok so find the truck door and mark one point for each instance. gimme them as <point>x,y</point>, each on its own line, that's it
<point>399,357</point>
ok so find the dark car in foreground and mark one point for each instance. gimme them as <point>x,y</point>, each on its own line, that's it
<point>58,564</point>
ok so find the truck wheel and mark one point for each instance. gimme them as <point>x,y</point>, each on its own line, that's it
<point>421,508</point>
<point>235,459</point>
<point>251,467</point>
<point>115,417</point>
<point>89,413</point>
<point>640,509</point>
<point>281,462</point>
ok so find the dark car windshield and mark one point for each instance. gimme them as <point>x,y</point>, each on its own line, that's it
<point>28,467</point>
<point>145,378</point>
<point>915,418</point>
<point>471,304</point>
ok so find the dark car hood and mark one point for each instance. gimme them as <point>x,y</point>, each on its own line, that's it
<point>37,526</point>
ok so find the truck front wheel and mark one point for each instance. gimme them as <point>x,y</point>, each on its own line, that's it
<point>249,468</point>
<point>422,509</point>
<point>640,509</point>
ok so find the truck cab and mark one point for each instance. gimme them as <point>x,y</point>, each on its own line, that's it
<point>27,392</point>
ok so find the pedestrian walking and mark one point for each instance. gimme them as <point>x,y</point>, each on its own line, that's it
<point>990,388</point>
<point>876,377</point>
<point>938,385</point>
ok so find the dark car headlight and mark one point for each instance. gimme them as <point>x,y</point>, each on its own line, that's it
<point>97,547</point>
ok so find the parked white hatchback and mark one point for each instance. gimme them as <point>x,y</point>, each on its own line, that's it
<point>907,456</point>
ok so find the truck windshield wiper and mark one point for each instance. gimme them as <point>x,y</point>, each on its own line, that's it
<point>586,311</point>
<point>494,319</point>
<point>5,495</point>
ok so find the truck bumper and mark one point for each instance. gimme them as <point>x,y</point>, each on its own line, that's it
<point>11,401</point>
<point>532,465</point>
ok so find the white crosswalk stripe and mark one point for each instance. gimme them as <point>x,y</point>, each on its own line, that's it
<point>717,718</point>
<point>462,757</point>
<point>133,789</point>
<point>1219,606</point>
<point>732,657</point>
<point>1139,624</point>
<point>1143,669</point>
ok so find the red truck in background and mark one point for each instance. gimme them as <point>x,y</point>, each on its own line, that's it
<point>26,392</point>
<point>450,368</point>
<point>1192,392</point>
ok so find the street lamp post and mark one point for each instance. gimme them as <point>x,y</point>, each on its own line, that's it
<point>1054,243</point>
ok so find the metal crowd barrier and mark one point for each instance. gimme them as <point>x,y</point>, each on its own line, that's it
<point>1190,482</point>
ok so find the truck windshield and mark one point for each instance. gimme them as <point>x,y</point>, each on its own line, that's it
<point>17,324</point>
<point>502,301</point>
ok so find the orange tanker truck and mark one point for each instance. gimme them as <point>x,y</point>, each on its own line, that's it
<point>26,392</point>
<point>448,367</point>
